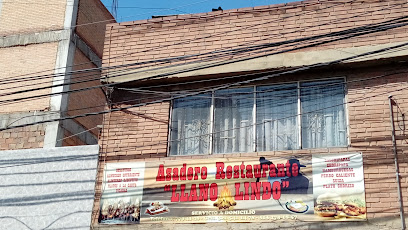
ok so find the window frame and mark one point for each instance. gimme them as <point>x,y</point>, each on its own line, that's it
<point>254,120</point>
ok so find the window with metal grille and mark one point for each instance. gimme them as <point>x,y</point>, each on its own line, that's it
<point>288,116</point>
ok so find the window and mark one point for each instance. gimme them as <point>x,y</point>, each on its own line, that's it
<point>191,125</point>
<point>277,110</point>
<point>261,118</point>
<point>233,120</point>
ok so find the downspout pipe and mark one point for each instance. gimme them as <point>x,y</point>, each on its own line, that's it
<point>394,144</point>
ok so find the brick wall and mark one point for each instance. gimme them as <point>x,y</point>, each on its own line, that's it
<point>128,136</point>
<point>139,132</point>
<point>12,59</point>
<point>22,138</point>
<point>370,132</point>
<point>190,34</point>
<point>90,11</point>
<point>22,62</point>
<point>29,16</point>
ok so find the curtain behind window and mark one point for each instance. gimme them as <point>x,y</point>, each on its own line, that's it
<point>233,120</point>
<point>323,116</point>
<point>191,125</point>
<point>277,117</point>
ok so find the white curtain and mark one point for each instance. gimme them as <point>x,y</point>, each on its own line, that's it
<point>323,116</point>
<point>190,126</point>
<point>233,122</point>
<point>323,122</point>
<point>277,117</point>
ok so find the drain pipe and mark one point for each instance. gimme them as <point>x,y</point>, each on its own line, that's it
<point>394,144</point>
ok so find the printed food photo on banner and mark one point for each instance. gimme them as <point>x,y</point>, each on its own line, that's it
<point>122,193</point>
<point>119,211</point>
<point>339,187</point>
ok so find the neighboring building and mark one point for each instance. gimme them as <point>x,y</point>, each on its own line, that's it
<point>55,184</point>
<point>41,43</point>
<point>308,80</point>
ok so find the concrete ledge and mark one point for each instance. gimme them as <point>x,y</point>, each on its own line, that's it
<point>12,119</point>
<point>50,36</point>
<point>35,38</point>
<point>89,53</point>
<point>294,59</point>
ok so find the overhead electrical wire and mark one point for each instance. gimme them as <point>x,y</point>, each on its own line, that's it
<point>80,81</point>
<point>263,85</point>
<point>145,63</point>
<point>284,118</point>
<point>165,142</point>
<point>215,79</point>
<point>263,23</point>
<point>249,27</point>
<point>76,90</point>
<point>242,28</point>
<point>347,34</point>
<point>216,88</point>
<point>330,84</point>
<point>260,123</point>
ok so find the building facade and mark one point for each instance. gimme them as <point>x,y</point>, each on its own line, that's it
<point>298,81</point>
<point>44,45</point>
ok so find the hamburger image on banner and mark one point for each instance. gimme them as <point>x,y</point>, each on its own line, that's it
<point>338,187</point>
<point>333,206</point>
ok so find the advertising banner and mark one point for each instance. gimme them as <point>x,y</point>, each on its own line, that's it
<point>122,193</point>
<point>326,187</point>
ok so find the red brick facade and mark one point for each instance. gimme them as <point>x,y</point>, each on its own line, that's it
<point>190,34</point>
<point>141,133</point>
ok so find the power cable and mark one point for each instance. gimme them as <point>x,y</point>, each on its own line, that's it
<point>217,88</point>
<point>98,79</point>
<point>151,92</point>
<point>260,123</point>
<point>96,23</point>
<point>206,80</point>
<point>264,23</point>
<point>357,80</point>
<point>347,32</point>
<point>51,75</point>
<point>242,28</point>
<point>73,135</point>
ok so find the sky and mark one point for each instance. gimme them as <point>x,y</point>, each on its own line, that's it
<point>131,10</point>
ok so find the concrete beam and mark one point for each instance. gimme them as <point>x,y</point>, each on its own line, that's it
<point>34,38</point>
<point>12,119</point>
<point>50,36</point>
<point>264,63</point>
<point>88,51</point>
<point>63,65</point>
